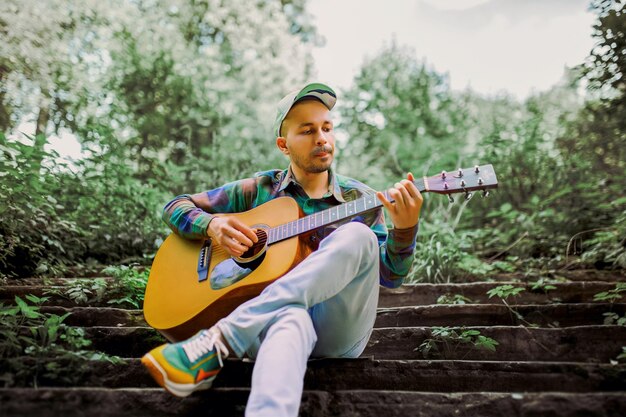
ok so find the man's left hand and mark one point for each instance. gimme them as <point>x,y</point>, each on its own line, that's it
<point>405,210</point>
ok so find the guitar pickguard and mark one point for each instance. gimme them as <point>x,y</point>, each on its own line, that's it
<point>233,270</point>
<point>226,273</point>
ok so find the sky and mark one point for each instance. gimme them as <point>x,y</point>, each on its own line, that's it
<point>490,46</point>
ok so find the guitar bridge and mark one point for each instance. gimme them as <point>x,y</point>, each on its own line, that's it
<point>204,260</point>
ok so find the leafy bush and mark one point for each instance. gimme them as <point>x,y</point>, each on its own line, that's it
<point>56,215</point>
<point>444,255</point>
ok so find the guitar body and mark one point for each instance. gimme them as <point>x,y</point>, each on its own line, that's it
<point>178,305</point>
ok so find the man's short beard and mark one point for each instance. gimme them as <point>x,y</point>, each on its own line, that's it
<point>311,168</point>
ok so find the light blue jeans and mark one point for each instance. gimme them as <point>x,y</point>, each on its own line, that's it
<point>324,307</point>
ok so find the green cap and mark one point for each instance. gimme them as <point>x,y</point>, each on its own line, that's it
<point>322,92</point>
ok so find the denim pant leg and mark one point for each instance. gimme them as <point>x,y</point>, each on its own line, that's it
<point>281,359</point>
<point>332,293</point>
<point>346,260</point>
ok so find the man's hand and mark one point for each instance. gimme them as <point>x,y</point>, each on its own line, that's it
<point>234,236</point>
<point>405,210</point>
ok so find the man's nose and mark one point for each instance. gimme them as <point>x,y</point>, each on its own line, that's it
<point>320,137</point>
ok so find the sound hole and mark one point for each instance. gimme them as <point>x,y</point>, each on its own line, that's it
<point>256,249</point>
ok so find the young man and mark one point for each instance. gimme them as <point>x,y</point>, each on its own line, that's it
<point>326,305</point>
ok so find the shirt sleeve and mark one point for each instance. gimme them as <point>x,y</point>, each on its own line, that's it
<point>189,215</point>
<point>396,251</point>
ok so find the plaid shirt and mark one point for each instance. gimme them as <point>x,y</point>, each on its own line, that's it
<point>189,215</point>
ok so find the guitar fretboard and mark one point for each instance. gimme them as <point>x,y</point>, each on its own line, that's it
<point>330,215</point>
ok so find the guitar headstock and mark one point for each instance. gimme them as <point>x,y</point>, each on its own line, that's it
<point>466,180</point>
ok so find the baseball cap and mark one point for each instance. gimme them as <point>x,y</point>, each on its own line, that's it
<point>322,92</point>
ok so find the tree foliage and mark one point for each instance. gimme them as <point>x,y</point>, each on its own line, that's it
<point>177,96</point>
<point>399,116</point>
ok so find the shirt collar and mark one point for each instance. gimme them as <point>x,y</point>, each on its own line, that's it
<point>333,187</point>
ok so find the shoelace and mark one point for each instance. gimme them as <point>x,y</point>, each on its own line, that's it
<point>203,343</point>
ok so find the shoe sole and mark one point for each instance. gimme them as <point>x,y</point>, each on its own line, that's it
<point>160,376</point>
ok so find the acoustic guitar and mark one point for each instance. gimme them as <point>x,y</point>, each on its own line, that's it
<point>194,283</point>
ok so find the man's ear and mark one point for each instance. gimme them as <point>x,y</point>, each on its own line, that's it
<point>281,142</point>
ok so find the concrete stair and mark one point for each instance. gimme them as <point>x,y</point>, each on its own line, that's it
<point>555,357</point>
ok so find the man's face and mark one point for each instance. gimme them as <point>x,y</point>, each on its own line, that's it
<point>309,139</point>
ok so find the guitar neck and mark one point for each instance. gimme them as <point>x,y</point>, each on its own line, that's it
<point>331,215</point>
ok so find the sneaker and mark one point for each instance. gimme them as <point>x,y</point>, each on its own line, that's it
<point>187,366</point>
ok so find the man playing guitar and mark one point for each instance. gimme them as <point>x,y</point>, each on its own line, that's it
<point>323,307</point>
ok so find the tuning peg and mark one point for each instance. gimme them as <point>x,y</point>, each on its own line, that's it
<point>468,196</point>
<point>450,199</point>
<point>443,175</point>
<point>460,172</point>
<point>476,170</point>
<point>485,193</point>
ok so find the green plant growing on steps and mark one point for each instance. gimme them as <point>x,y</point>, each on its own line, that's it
<point>542,285</point>
<point>505,291</point>
<point>81,291</point>
<point>611,296</point>
<point>130,284</point>
<point>445,341</point>
<point>453,299</point>
<point>36,346</point>
<point>611,318</point>
<point>125,290</point>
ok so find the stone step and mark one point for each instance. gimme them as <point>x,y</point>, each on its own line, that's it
<point>551,315</point>
<point>405,295</point>
<point>98,316</point>
<point>374,374</point>
<point>516,343</point>
<point>554,275</point>
<point>560,275</point>
<point>578,344</point>
<point>103,402</point>
<point>424,294</point>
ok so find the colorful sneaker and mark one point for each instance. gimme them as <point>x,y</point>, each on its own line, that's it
<point>187,366</point>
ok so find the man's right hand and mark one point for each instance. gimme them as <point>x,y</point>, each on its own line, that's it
<point>233,235</point>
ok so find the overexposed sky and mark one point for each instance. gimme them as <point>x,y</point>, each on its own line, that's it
<point>518,46</point>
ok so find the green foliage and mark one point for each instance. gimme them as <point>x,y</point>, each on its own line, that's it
<point>130,285</point>
<point>453,299</point>
<point>54,216</point>
<point>399,115</point>
<point>173,100</point>
<point>126,290</point>
<point>37,346</point>
<point>611,318</point>
<point>446,341</point>
<point>444,255</point>
<point>35,237</point>
<point>505,291</point>
<point>542,285</point>
<point>611,295</point>
<point>81,291</point>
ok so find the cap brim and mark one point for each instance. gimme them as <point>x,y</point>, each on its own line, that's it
<point>319,91</point>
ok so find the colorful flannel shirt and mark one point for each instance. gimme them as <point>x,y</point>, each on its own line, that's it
<point>189,215</point>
